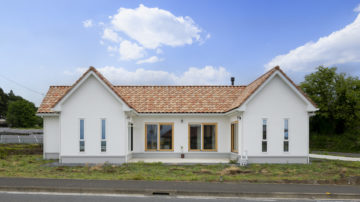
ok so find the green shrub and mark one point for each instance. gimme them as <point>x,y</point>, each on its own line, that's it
<point>346,142</point>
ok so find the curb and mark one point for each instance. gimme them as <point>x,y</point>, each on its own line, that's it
<point>157,192</point>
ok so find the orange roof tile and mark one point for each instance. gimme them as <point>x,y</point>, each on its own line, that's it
<point>171,99</point>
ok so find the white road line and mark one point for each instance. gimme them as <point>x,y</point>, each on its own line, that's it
<point>180,197</point>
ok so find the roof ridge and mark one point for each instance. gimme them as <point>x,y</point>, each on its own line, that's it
<point>179,86</point>
<point>272,69</point>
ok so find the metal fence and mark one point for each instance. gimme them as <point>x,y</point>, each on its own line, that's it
<point>26,136</point>
<point>26,139</point>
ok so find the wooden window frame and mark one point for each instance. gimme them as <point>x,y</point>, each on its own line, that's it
<point>158,136</point>
<point>232,136</point>
<point>202,136</point>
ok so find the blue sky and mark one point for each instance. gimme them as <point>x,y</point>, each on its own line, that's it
<point>181,42</point>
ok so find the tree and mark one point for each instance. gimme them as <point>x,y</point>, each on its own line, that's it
<point>21,113</point>
<point>13,97</point>
<point>3,103</point>
<point>338,100</point>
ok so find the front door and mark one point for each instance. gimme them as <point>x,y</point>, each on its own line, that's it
<point>234,137</point>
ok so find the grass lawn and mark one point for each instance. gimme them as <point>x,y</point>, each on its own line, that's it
<point>18,163</point>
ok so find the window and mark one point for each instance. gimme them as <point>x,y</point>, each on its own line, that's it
<point>209,136</point>
<point>203,137</point>
<point>166,137</point>
<point>151,136</point>
<point>195,137</point>
<point>131,136</point>
<point>159,136</point>
<point>82,140</point>
<point>234,137</point>
<point>264,136</point>
<point>103,135</point>
<point>286,135</point>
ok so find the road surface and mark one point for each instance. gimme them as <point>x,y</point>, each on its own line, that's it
<point>57,197</point>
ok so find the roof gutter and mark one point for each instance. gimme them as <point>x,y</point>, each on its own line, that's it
<point>47,114</point>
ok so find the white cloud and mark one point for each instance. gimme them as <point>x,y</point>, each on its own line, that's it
<point>339,48</point>
<point>357,8</point>
<point>207,75</point>
<point>159,51</point>
<point>130,51</point>
<point>110,35</point>
<point>112,48</point>
<point>87,23</point>
<point>154,27</point>
<point>152,59</point>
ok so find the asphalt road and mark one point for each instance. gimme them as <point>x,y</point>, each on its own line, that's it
<point>39,197</point>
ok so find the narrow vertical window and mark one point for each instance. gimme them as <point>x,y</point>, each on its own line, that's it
<point>82,140</point>
<point>264,136</point>
<point>286,135</point>
<point>103,135</point>
<point>195,137</point>
<point>132,136</point>
<point>151,132</point>
<point>209,137</point>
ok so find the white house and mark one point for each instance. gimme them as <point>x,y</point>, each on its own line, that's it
<point>93,121</point>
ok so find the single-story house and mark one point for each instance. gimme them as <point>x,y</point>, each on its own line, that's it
<point>94,121</point>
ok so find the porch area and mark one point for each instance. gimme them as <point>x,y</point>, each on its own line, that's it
<point>181,160</point>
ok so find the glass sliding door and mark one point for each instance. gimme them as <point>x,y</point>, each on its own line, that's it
<point>166,136</point>
<point>195,137</point>
<point>151,135</point>
<point>209,137</point>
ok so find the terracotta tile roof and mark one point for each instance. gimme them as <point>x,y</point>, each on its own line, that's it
<point>180,99</point>
<point>54,94</point>
<point>171,99</point>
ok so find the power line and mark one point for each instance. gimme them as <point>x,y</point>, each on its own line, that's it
<point>25,87</point>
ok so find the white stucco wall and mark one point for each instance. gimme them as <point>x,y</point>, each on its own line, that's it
<point>51,138</point>
<point>181,130</point>
<point>92,102</point>
<point>275,102</point>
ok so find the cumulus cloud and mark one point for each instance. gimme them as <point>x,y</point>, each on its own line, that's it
<point>341,47</point>
<point>153,27</point>
<point>207,75</point>
<point>151,59</point>
<point>357,8</point>
<point>110,35</point>
<point>87,23</point>
<point>130,51</point>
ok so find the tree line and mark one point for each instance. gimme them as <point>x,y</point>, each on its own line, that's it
<point>18,111</point>
<point>336,126</point>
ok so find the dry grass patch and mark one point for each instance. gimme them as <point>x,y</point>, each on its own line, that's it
<point>233,170</point>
